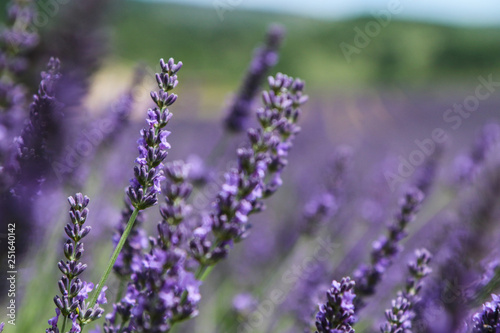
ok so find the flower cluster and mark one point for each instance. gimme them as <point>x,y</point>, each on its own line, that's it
<point>40,133</point>
<point>258,173</point>
<point>387,247</point>
<point>162,291</point>
<point>153,144</point>
<point>337,314</point>
<point>488,320</point>
<point>71,304</point>
<point>144,188</point>
<point>399,317</point>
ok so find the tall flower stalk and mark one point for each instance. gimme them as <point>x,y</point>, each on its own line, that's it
<point>35,145</point>
<point>153,146</point>
<point>163,291</point>
<point>71,305</point>
<point>399,317</point>
<point>265,57</point>
<point>387,247</point>
<point>257,175</point>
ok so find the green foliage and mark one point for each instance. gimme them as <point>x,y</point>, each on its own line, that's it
<point>411,53</point>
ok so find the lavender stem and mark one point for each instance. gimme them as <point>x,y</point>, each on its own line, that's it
<point>64,325</point>
<point>112,261</point>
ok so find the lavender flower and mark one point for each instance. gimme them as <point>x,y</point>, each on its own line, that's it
<point>1,327</point>
<point>488,320</point>
<point>468,166</point>
<point>317,210</point>
<point>425,176</point>
<point>71,304</point>
<point>387,247</point>
<point>162,291</point>
<point>28,165</point>
<point>399,317</point>
<point>258,173</point>
<point>244,304</point>
<point>264,59</point>
<point>153,145</point>
<point>337,314</point>
<point>39,137</point>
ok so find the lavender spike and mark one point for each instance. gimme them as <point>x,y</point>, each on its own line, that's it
<point>264,59</point>
<point>387,247</point>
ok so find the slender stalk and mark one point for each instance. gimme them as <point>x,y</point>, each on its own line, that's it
<point>64,324</point>
<point>203,274</point>
<point>112,261</point>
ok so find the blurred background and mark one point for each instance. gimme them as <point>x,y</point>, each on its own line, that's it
<point>398,65</point>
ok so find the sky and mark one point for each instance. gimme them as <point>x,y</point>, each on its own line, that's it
<point>457,12</point>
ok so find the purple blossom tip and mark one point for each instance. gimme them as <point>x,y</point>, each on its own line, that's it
<point>337,314</point>
<point>153,145</point>
<point>488,320</point>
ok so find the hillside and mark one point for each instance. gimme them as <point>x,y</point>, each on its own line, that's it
<point>414,54</point>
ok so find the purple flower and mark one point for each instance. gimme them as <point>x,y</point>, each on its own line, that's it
<point>163,291</point>
<point>386,247</point>
<point>468,166</point>
<point>40,136</point>
<point>53,321</point>
<point>399,317</point>
<point>71,304</point>
<point>258,173</point>
<point>488,320</point>
<point>337,314</point>
<point>244,304</point>
<point>153,143</point>
<point>264,59</point>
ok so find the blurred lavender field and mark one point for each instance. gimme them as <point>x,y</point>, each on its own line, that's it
<point>390,189</point>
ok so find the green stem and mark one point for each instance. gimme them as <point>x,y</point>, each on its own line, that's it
<point>64,325</point>
<point>204,272</point>
<point>112,261</point>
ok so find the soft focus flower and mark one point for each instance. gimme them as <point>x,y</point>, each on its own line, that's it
<point>337,314</point>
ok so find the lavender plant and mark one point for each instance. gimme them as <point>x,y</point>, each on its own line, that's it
<point>264,59</point>
<point>488,320</point>
<point>387,247</point>
<point>163,291</point>
<point>153,146</point>
<point>71,305</point>
<point>257,175</point>
<point>337,314</point>
<point>399,317</point>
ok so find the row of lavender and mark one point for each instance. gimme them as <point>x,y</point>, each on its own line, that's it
<point>160,275</point>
